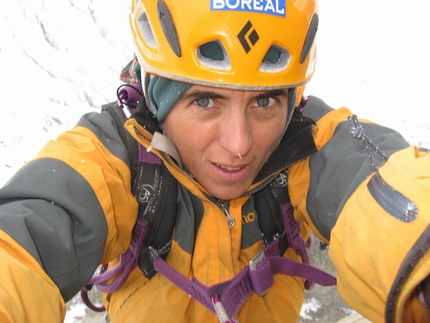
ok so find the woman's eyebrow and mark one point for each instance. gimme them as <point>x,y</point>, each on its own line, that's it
<point>272,93</point>
<point>197,94</point>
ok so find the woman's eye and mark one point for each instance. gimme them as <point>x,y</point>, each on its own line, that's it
<point>203,102</point>
<point>264,102</point>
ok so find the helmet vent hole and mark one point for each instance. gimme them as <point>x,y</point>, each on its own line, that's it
<point>275,60</point>
<point>145,29</point>
<point>213,55</point>
<point>310,38</point>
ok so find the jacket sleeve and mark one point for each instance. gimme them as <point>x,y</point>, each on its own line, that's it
<point>380,243</point>
<point>372,210</point>
<point>62,214</point>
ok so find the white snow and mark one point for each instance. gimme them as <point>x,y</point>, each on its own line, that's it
<point>310,306</point>
<point>61,58</point>
<point>58,59</point>
<point>373,57</point>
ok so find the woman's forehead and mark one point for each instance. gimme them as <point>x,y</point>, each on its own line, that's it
<point>195,89</point>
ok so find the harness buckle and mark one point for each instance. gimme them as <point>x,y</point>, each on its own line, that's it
<point>261,277</point>
<point>256,260</point>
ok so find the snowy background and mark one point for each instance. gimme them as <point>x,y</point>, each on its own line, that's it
<point>61,58</point>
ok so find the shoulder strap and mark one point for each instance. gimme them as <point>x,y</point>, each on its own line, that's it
<point>156,192</point>
<point>277,222</point>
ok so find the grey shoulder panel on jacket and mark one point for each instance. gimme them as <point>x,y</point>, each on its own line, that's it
<point>52,212</point>
<point>108,132</point>
<point>341,165</point>
<point>315,108</point>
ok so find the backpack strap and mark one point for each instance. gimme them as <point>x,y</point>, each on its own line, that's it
<point>276,220</point>
<point>155,190</point>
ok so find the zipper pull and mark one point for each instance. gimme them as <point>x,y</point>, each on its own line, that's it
<point>230,220</point>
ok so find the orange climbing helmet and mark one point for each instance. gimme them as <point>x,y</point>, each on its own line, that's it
<point>238,44</point>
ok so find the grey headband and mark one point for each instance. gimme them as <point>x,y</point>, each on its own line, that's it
<point>164,93</point>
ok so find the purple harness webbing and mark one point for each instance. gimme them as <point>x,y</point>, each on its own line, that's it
<point>295,240</point>
<point>257,277</point>
<point>233,293</point>
<point>127,262</point>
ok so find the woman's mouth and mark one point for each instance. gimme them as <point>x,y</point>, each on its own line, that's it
<point>232,172</point>
<point>230,169</point>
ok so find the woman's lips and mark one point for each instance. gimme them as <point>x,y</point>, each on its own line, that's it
<point>230,169</point>
<point>231,172</point>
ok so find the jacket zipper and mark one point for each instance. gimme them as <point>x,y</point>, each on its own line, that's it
<point>224,208</point>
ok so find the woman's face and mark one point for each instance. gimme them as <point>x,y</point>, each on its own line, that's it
<point>225,136</point>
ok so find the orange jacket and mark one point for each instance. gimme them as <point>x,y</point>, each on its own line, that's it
<point>71,208</point>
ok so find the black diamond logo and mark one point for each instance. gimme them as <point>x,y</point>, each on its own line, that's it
<point>248,37</point>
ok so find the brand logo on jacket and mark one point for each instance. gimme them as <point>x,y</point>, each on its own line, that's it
<point>272,7</point>
<point>282,180</point>
<point>248,218</point>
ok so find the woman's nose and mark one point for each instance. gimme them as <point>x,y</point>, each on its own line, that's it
<point>236,134</point>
